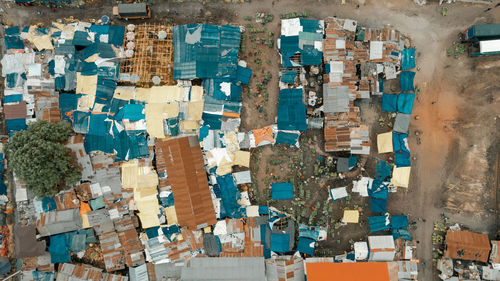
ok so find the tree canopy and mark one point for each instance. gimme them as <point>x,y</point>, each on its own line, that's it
<point>40,159</point>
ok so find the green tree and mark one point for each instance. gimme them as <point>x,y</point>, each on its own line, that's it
<point>39,158</point>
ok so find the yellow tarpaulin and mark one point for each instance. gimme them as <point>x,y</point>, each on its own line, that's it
<point>384,142</point>
<point>86,84</point>
<point>196,93</point>
<point>195,110</point>
<point>124,93</point>
<point>351,216</point>
<point>129,174</point>
<point>242,158</point>
<point>85,221</point>
<point>156,113</point>
<point>189,126</point>
<point>401,177</point>
<point>160,94</point>
<point>171,215</point>
<point>41,41</point>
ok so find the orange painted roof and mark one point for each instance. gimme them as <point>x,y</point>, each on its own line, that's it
<point>359,271</point>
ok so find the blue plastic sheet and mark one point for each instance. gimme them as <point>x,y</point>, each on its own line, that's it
<point>280,243</point>
<point>282,190</point>
<point>306,246</point>
<point>290,96</point>
<point>405,102</point>
<point>378,223</point>
<point>408,59</point>
<point>171,231</point>
<point>401,233</point>
<point>287,138</point>
<point>406,81</point>
<point>378,205</point>
<point>59,251</point>
<point>389,102</point>
<point>12,98</point>
<point>230,195</point>
<point>243,75</point>
<point>49,204</point>
<point>402,159</point>
<point>14,125</point>
<point>152,232</point>
<point>292,117</point>
<point>399,222</point>
<point>289,76</point>
<point>400,142</point>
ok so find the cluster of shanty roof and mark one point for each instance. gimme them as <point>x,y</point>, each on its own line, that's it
<point>357,60</point>
<point>469,256</point>
<point>160,194</point>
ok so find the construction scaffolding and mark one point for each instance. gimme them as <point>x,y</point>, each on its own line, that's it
<point>152,56</point>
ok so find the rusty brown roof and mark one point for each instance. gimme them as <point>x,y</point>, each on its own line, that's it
<point>466,245</point>
<point>15,111</point>
<point>183,161</point>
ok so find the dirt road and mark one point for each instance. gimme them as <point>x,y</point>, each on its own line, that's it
<point>458,103</point>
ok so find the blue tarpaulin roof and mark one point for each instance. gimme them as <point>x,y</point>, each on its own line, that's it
<point>402,159</point>
<point>13,43</point>
<point>243,75</point>
<point>399,222</point>
<point>287,138</point>
<point>401,233</point>
<point>292,117</point>
<point>289,76</point>
<point>14,125</point>
<point>405,102</point>
<point>205,51</point>
<point>59,251</point>
<point>230,196</point>
<point>67,103</point>
<point>378,223</point>
<point>389,102</point>
<point>400,142</point>
<point>290,96</point>
<point>282,190</point>
<point>12,31</point>
<point>406,81</point>
<point>378,205</point>
<point>213,88</point>
<point>12,98</point>
<point>408,59</point>
<point>306,246</point>
<point>280,243</point>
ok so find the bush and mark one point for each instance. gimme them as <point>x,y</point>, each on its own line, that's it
<point>39,158</point>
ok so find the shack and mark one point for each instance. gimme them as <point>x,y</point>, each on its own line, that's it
<point>466,245</point>
<point>132,11</point>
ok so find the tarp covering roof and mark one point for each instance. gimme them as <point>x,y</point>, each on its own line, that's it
<point>385,142</point>
<point>378,223</point>
<point>306,245</point>
<point>402,123</point>
<point>282,190</point>
<point>406,80</point>
<point>389,102</point>
<point>205,51</point>
<point>405,102</point>
<point>408,59</point>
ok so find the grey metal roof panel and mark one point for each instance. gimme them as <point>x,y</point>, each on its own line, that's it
<point>220,269</point>
<point>336,99</point>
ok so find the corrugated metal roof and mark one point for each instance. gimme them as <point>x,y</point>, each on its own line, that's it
<point>466,245</point>
<point>182,160</point>
<point>234,269</point>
